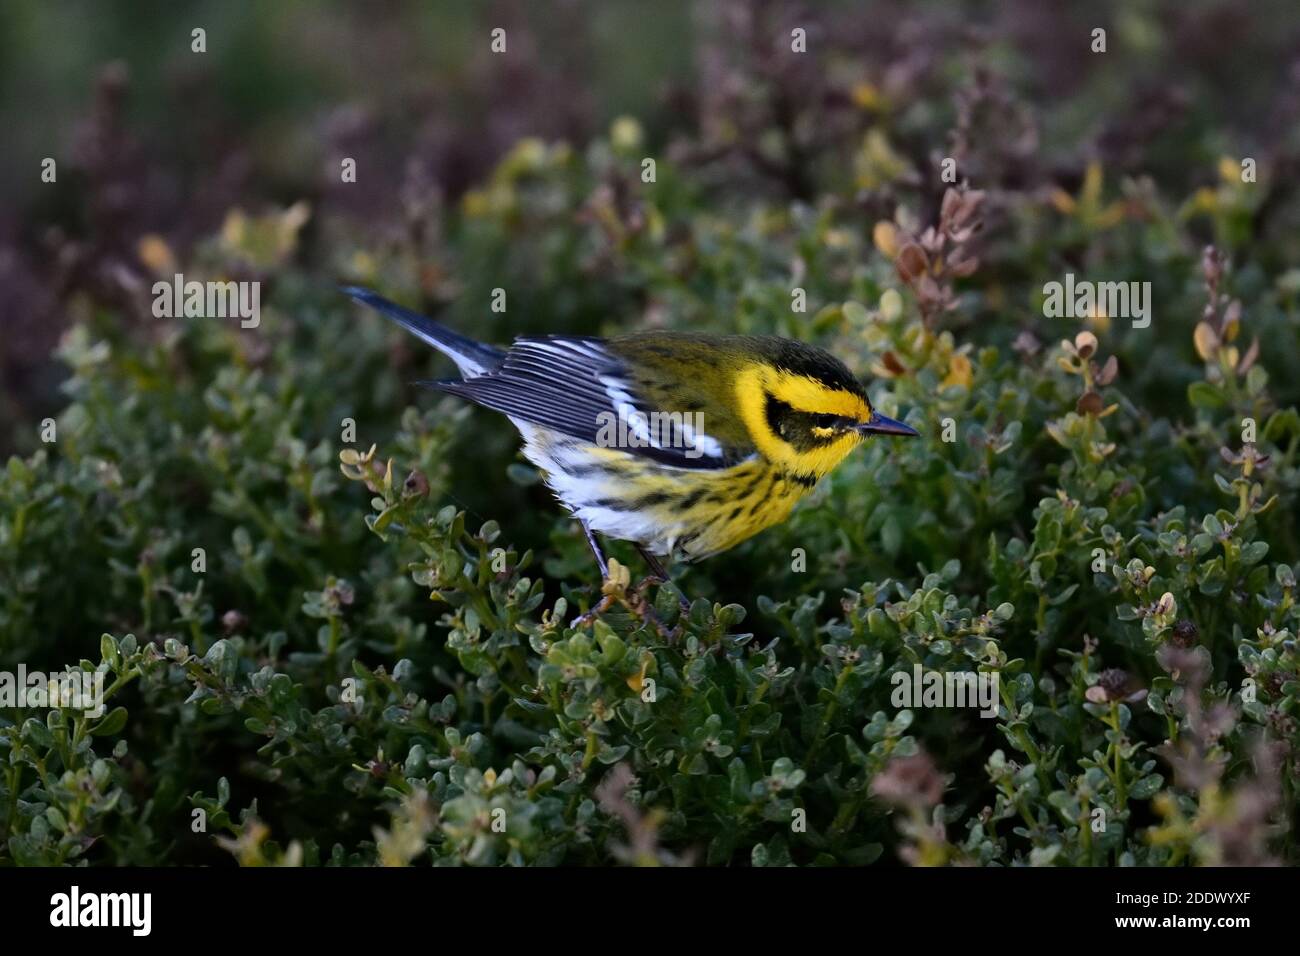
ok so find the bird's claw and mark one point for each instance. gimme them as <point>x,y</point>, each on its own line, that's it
<point>655,580</point>
<point>635,600</point>
<point>599,608</point>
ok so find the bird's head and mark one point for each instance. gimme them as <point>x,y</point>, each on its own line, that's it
<point>806,411</point>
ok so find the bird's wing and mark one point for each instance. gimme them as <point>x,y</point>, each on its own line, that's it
<point>579,387</point>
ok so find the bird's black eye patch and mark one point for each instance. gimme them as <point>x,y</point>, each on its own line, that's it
<point>777,413</point>
<point>805,431</point>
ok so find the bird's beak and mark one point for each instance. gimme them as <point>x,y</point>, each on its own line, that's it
<point>880,425</point>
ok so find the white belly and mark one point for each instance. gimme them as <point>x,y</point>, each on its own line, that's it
<point>573,470</point>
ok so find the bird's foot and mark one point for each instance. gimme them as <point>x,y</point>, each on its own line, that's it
<point>617,588</point>
<point>654,581</point>
<point>599,608</point>
<point>637,602</point>
<point>659,576</point>
<point>617,578</point>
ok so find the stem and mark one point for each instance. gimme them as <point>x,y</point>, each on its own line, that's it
<point>827,714</point>
<point>1121,791</point>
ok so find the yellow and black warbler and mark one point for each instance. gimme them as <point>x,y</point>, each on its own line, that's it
<point>685,444</point>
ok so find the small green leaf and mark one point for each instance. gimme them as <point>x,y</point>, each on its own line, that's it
<point>109,652</point>
<point>1205,395</point>
<point>111,724</point>
<point>35,732</point>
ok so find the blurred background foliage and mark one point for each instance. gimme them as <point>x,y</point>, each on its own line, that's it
<point>154,139</point>
<point>1123,677</point>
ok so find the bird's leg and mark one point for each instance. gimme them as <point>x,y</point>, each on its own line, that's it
<point>607,600</point>
<point>656,568</point>
<point>660,574</point>
<point>595,549</point>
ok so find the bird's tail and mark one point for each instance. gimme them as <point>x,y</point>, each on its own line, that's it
<point>471,357</point>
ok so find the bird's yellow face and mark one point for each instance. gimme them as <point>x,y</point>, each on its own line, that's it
<point>802,425</point>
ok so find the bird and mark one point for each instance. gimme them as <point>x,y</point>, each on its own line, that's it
<point>683,443</point>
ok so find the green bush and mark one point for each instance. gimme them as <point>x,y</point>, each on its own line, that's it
<point>357,653</point>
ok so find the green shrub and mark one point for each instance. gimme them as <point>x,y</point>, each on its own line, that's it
<point>372,655</point>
